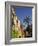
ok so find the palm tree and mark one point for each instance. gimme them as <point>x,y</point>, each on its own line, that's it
<point>27,21</point>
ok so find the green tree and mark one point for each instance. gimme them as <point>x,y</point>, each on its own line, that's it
<point>14,32</point>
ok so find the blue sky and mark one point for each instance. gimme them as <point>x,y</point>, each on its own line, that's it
<point>21,12</point>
